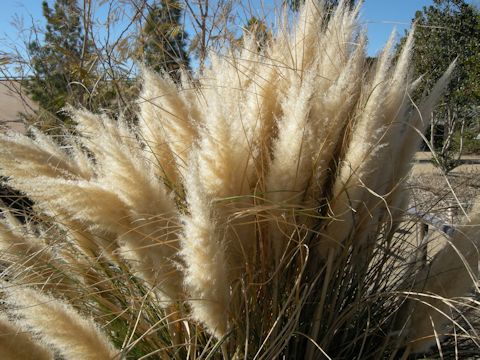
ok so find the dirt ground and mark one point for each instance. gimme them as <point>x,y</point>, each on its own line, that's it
<point>444,199</point>
<point>11,104</point>
<point>448,197</point>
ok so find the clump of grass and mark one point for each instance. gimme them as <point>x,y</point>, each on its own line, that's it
<point>252,213</point>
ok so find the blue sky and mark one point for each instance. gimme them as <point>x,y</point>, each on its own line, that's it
<point>380,17</point>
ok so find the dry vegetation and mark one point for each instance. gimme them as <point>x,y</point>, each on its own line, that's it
<point>446,196</point>
<point>257,212</point>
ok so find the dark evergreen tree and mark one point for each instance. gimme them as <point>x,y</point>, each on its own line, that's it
<point>61,63</point>
<point>163,45</point>
<point>258,29</point>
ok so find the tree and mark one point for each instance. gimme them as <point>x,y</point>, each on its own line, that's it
<point>445,31</point>
<point>259,30</point>
<point>61,64</point>
<point>330,4</point>
<point>213,25</point>
<point>163,42</point>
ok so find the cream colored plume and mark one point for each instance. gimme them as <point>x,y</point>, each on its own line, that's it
<point>206,267</point>
<point>22,156</point>
<point>167,121</point>
<point>59,326</point>
<point>145,218</point>
<point>15,344</point>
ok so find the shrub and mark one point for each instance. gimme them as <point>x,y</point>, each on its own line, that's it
<point>467,142</point>
<point>252,213</point>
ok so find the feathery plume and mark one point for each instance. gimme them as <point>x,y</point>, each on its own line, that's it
<point>15,344</point>
<point>203,251</point>
<point>58,325</point>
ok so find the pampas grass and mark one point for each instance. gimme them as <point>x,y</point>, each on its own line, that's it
<point>252,213</point>
<point>58,326</point>
<point>17,344</point>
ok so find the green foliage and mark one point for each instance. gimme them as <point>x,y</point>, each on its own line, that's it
<point>60,63</point>
<point>164,39</point>
<point>467,142</point>
<point>446,31</point>
<point>66,69</point>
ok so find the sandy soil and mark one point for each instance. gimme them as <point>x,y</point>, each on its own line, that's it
<point>446,199</point>
<point>11,103</point>
<point>446,196</point>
